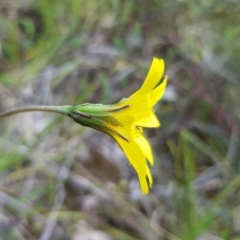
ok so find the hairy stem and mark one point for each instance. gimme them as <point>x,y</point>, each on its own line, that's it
<point>65,110</point>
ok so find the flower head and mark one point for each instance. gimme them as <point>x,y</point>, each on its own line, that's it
<point>124,121</point>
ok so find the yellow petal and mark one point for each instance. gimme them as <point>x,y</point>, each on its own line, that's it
<point>145,146</point>
<point>146,182</point>
<point>149,176</point>
<point>151,121</point>
<point>140,106</point>
<point>157,93</point>
<point>154,75</point>
<point>142,100</point>
<point>144,185</point>
<point>135,156</point>
<point>127,122</point>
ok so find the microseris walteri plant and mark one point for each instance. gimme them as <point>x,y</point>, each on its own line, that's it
<point>123,121</point>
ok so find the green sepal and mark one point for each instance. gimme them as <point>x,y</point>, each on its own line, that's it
<point>97,120</point>
<point>98,109</point>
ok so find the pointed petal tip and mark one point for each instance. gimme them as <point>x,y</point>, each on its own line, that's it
<point>154,75</point>
<point>160,61</point>
<point>144,186</point>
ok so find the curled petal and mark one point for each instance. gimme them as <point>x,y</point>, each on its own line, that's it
<point>154,75</point>
<point>137,158</point>
<point>149,177</point>
<point>144,185</point>
<point>157,93</point>
<point>146,182</point>
<point>145,147</point>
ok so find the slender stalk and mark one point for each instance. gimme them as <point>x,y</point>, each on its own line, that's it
<point>65,110</point>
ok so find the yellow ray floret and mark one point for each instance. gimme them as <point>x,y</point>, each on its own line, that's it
<point>124,121</point>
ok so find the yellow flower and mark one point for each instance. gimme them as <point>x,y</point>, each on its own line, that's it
<point>124,121</point>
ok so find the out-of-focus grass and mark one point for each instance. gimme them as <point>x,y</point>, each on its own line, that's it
<point>60,180</point>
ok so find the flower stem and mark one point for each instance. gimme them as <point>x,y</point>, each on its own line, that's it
<point>65,110</point>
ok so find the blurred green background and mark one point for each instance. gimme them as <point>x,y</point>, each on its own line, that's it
<point>59,180</point>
